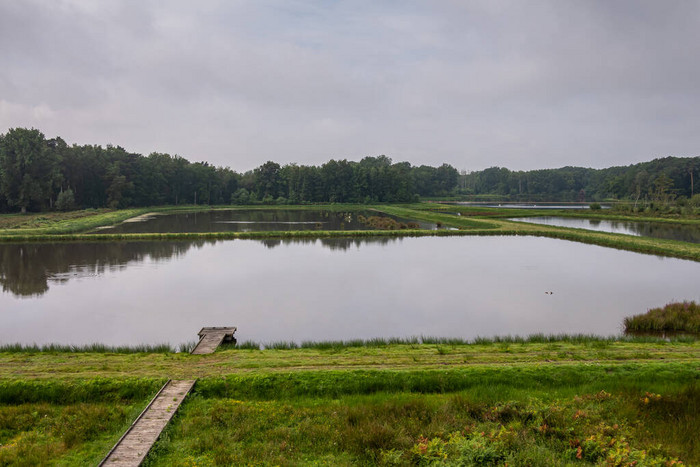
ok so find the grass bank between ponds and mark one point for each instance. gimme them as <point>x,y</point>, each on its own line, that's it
<point>372,355</point>
<point>602,214</point>
<point>464,225</point>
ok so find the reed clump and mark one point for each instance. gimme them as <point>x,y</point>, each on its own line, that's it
<point>386,223</point>
<point>674,317</point>
<point>96,348</point>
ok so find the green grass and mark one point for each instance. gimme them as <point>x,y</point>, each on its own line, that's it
<point>398,401</point>
<point>674,317</point>
<point>415,341</point>
<point>481,416</point>
<point>61,423</point>
<point>373,355</point>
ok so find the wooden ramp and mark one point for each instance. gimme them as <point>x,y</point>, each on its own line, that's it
<point>132,448</point>
<point>211,338</point>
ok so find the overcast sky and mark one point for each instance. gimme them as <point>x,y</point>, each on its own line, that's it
<point>521,84</point>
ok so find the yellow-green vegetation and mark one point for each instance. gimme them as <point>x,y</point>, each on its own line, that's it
<point>674,317</point>
<point>472,221</point>
<point>49,365</point>
<point>67,423</point>
<point>575,400</point>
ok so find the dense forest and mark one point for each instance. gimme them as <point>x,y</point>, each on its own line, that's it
<point>661,180</point>
<point>37,174</point>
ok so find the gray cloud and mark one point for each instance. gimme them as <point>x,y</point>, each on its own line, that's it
<point>517,84</point>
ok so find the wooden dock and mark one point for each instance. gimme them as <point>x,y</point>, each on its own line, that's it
<point>211,338</point>
<point>132,448</point>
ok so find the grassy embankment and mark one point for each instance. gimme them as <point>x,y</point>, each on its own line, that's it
<point>473,221</point>
<point>601,214</point>
<point>575,400</point>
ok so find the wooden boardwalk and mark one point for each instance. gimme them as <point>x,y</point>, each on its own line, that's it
<point>211,338</point>
<point>132,448</point>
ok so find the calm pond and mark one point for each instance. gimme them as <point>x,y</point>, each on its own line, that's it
<point>155,292</point>
<point>541,205</point>
<point>251,220</point>
<point>684,233</point>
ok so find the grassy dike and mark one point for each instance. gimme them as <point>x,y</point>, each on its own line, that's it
<point>475,221</point>
<point>569,400</point>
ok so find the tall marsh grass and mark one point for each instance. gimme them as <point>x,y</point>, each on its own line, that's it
<point>95,348</point>
<point>674,317</point>
<point>376,342</point>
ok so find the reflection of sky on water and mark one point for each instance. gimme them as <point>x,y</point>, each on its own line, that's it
<point>274,290</point>
<point>684,233</point>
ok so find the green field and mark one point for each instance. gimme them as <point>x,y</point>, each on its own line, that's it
<point>573,400</point>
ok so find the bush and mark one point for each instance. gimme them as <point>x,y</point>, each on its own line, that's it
<point>241,196</point>
<point>695,201</point>
<point>65,200</point>
<point>674,317</point>
<point>595,206</point>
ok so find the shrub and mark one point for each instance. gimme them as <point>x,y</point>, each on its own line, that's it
<point>674,317</point>
<point>65,200</point>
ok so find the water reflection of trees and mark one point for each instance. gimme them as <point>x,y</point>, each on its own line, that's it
<point>335,243</point>
<point>27,269</point>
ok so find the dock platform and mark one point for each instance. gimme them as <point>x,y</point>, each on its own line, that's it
<point>211,338</point>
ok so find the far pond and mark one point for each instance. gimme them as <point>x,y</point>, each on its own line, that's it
<point>252,220</point>
<point>154,292</point>
<point>681,232</point>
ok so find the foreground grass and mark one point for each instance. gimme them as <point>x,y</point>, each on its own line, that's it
<point>75,423</point>
<point>544,400</point>
<point>558,420</point>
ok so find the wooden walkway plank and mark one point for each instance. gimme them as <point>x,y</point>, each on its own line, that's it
<point>131,449</point>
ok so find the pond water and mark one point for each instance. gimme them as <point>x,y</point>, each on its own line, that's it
<point>541,205</point>
<point>683,233</point>
<point>154,292</point>
<point>250,220</point>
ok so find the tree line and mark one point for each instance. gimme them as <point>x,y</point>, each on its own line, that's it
<point>660,180</point>
<point>38,174</point>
